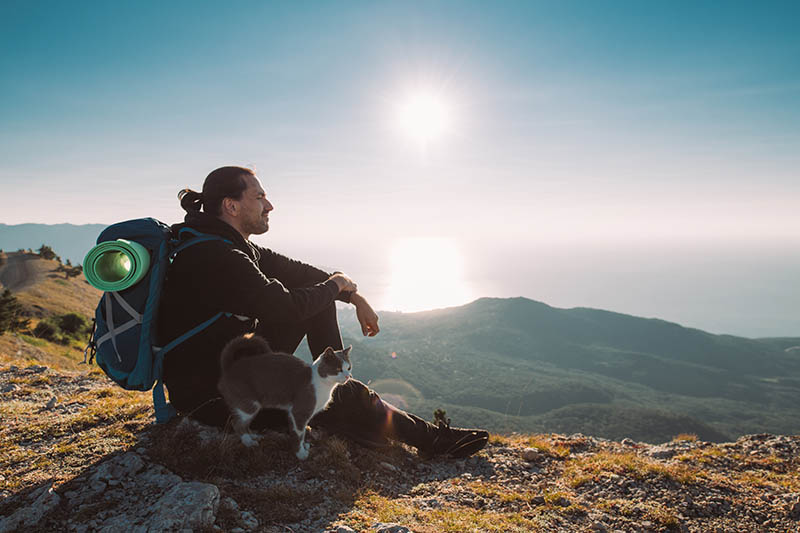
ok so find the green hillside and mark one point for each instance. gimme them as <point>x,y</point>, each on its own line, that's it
<point>517,364</point>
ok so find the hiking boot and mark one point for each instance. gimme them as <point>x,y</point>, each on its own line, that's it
<point>454,442</point>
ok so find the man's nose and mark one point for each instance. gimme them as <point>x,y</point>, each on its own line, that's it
<point>267,205</point>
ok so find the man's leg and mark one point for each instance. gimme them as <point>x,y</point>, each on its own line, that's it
<point>358,413</point>
<point>321,329</point>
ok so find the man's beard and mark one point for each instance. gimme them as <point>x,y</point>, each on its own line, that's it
<point>257,227</point>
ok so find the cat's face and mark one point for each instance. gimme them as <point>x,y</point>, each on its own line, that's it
<point>335,364</point>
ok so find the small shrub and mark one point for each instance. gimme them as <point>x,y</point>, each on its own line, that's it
<point>48,331</point>
<point>46,252</point>
<point>72,272</point>
<point>440,415</point>
<point>73,324</point>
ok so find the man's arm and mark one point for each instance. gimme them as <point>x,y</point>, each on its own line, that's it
<point>292,273</point>
<point>240,287</point>
<point>296,274</point>
<point>366,315</point>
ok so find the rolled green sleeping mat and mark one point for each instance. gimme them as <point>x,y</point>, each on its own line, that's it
<point>116,265</point>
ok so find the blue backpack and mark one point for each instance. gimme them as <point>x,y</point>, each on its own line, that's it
<point>124,338</point>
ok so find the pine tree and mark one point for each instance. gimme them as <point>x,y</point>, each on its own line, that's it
<point>46,252</point>
<point>11,313</point>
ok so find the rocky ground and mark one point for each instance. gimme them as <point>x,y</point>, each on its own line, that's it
<point>80,455</point>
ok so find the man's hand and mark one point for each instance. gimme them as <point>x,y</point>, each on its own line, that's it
<point>365,315</point>
<point>344,283</point>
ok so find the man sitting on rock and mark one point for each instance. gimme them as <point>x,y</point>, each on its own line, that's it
<point>281,299</point>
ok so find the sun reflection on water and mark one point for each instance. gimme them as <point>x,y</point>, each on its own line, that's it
<point>426,273</point>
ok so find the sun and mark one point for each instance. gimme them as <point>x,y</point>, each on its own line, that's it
<point>423,115</point>
<point>426,273</point>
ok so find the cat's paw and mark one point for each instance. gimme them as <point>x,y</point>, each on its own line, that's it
<point>302,453</point>
<point>249,440</point>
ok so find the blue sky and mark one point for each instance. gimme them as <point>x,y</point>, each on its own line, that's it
<point>572,123</point>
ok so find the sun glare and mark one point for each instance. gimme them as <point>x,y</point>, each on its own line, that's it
<point>427,273</point>
<point>423,115</point>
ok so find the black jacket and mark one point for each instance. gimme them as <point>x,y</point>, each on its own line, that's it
<point>236,277</point>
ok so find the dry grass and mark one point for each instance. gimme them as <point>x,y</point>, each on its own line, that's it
<point>553,446</point>
<point>56,295</point>
<point>580,470</point>
<point>652,511</point>
<point>499,492</point>
<point>549,446</point>
<point>783,477</point>
<point>706,456</point>
<point>38,444</point>
<point>371,507</point>
<point>178,446</point>
<point>277,503</point>
<point>23,350</point>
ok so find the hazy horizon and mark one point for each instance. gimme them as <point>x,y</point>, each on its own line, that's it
<point>723,288</point>
<point>636,157</point>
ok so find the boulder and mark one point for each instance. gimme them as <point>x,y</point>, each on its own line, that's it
<point>188,505</point>
<point>390,528</point>
<point>40,502</point>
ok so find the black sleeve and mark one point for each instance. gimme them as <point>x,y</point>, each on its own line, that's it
<point>243,289</point>
<point>291,272</point>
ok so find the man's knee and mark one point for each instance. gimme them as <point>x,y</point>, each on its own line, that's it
<point>353,397</point>
<point>323,330</point>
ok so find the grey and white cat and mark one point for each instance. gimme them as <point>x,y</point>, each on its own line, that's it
<point>255,378</point>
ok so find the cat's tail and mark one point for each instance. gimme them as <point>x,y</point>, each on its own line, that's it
<point>244,346</point>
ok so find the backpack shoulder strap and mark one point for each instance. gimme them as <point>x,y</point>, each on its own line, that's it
<point>197,239</point>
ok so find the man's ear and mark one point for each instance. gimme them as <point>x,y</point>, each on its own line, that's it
<point>229,206</point>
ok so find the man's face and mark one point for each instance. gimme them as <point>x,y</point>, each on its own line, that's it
<point>255,208</point>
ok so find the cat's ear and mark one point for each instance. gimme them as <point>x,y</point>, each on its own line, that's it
<point>328,351</point>
<point>346,352</point>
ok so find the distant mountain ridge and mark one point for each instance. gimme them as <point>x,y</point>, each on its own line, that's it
<point>70,241</point>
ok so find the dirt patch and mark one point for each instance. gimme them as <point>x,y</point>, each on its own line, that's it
<point>20,272</point>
